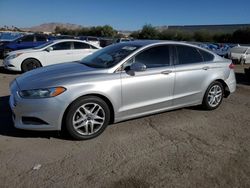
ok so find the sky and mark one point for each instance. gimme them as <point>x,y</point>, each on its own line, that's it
<point>124,14</point>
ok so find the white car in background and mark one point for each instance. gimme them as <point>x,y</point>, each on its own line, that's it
<point>92,40</point>
<point>54,52</point>
<point>240,54</point>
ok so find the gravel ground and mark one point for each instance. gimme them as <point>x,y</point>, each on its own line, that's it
<point>182,148</point>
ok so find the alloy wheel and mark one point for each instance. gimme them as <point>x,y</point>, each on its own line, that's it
<point>88,119</point>
<point>214,95</point>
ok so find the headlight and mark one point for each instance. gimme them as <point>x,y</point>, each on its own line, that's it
<point>41,93</point>
<point>14,56</point>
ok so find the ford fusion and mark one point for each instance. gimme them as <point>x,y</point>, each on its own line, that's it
<point>119,82</point>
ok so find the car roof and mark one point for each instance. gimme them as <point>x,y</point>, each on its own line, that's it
<point>68,40</point>
<point>73,40</point>
<point>151,42</point>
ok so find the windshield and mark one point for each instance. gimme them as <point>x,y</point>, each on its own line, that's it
<point>43,45</point>
<point>109,56</point>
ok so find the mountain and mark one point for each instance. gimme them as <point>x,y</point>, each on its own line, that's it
<point>50,27</point>
<point>226,28</point>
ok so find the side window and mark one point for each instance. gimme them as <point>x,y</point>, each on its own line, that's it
<point>81,45</point>
<point>62,46</point>
<point>28,38</point>
<point>41,38</point>
<point>188,55</point>
<point>93,47</point>
<point>154,57</point>
<point>206,55</point>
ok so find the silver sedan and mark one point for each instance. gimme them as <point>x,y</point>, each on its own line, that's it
<point>117,83</point>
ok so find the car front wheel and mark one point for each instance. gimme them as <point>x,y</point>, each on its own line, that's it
<point>87,118</point>
<point>30,64</point>
<point>213,96</point>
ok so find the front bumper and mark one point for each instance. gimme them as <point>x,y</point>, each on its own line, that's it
<point>11,65</point>
<point>46,110</point>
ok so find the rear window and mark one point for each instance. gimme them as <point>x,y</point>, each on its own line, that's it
<point>206,55</point>
<point>28,38</point>
<point>188,55</point>
<point>41,38</point>
<point>81,45</point>
<point>62,46</point>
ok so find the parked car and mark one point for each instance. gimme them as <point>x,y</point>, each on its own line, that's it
<point>240,54</point>
<point>124,40</point>
<point>106,41</point>
<point>24,42</point>
<point>6,38</point>
<point>92,40</point>
<point>53,52</point>
<point>119,82</point>
<point>9,36</point>
<point>65,37</point>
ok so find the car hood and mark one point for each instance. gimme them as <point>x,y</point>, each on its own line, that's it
<point>29,50</point>
<point>56,75</point>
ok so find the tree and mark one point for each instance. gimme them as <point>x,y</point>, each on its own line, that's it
<point>148,32</point>
<point>241,36</point>
<point>203,36</point>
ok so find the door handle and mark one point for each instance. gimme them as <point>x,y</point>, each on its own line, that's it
<point>206,68</point>
<point>166,72</point>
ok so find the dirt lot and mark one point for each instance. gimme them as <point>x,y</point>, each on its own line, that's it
<point>182,148</point>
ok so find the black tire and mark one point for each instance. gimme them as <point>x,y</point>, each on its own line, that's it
<point>30,64</point>
<point>73,110</point>
<point>206,104</point>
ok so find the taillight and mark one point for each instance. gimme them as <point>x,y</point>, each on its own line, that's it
<point>231,66</point>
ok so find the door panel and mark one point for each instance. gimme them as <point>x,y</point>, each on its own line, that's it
<point>191,74</point>
<point>61,53</point>
<point>81,50</point>
<point>151,90</point>
<point>189,82</point>
<point>79,54</point>
<point>58,56</point>
<point>147,91</point>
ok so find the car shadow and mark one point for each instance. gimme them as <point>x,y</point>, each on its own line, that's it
<point>241,78</point>
<point>5,71</point>
<point>7,128</point>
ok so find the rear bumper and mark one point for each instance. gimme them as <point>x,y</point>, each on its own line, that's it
<point>231,82</point>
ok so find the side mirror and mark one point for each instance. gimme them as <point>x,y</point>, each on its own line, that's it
<point>49,49</point>
<point>138,67</point>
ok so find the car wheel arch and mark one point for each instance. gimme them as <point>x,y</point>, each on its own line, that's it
<point>225,87</point>
<point>106,99</point>
<point>31,58</point>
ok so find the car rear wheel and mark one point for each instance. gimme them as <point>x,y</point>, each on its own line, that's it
<point>213,96</point>
<point>87,118</point>
<point>30,64</point>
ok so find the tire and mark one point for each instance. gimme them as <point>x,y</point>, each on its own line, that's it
<point>213,96</point>
<point>30,64</point>
<point>83,119</point>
